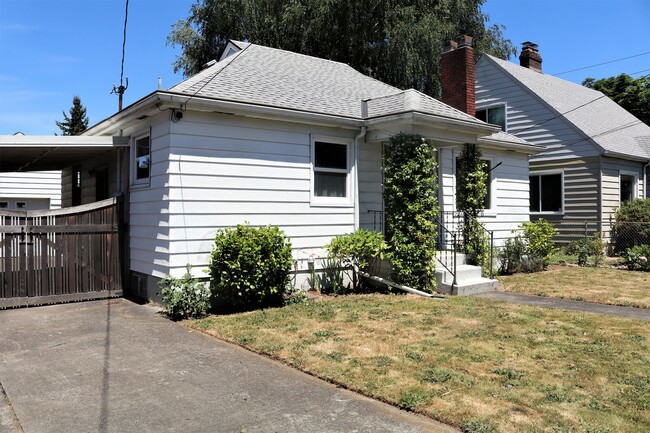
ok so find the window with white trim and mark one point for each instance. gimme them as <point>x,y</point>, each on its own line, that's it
<point>331,171</point>
<point>546,192</point>
<point>494,115</point>
<point>142,159</point>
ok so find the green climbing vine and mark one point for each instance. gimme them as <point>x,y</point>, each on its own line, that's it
<point>471,195</point>
<point>411,205</point>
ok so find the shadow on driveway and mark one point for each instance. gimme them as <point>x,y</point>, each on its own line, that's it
<point>115,366</point>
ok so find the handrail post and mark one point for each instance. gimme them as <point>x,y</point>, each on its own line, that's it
<point>454,283</point>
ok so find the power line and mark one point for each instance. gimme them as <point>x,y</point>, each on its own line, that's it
<point>604,63</point>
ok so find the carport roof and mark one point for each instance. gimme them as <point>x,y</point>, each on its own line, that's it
<point>36,153</point>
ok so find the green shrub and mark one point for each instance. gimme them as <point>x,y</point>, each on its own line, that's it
<point>250,267</point>
<point>410,193</point>
<point>184,297</point>
<point>538,236</point>
<point>632,226</point>
<point>587,247</point>
<point>363,249</point>
<point>512,255</point>
<point>637,258</point>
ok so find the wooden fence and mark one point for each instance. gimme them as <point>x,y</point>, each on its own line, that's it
<point>61,255</point>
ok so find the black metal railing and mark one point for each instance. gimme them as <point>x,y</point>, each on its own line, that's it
<point>447,255</point>
<point>378,220</point>
<point>451,232</point>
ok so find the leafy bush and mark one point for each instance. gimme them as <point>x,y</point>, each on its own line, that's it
<point>362,249</point>
<point>587,247</point>
<point>637,258</point>
<point>333,278</point>
<point>250,267</point>
<point>538,236</point>
<point>632,226</point>
<point>410,193</point>
<point>512,255</point>
<point>184,297</point>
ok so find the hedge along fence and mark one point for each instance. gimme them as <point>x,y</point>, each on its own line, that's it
<point>411,206</point>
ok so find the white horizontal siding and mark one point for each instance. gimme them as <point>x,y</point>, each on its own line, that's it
<point>36,186</point>
<point>226,170</point>
<point>370,185</point>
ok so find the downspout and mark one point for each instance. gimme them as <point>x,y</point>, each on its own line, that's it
<point>362,134</point>
<point>645,180</point>
<point>356,176</point>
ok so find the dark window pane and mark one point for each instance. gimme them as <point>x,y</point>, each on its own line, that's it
<point>551,192</point>
<point>330,155</point>
<point>142,158</point>
<point>534,193</point>
<point>330,184</point>
<point>497,116</point>
<point>627,188</point>
<point>482,115</point>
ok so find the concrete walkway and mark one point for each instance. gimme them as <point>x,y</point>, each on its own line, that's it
<point>589,307</point>
<point>114,366</point>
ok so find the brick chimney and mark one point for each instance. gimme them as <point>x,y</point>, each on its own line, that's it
<point>530,58</point>
<point>458,75</point>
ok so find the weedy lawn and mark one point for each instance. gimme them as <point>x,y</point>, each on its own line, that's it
<point>601,285</point>
<point>475,364</point>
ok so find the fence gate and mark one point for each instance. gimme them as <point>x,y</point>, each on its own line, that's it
<point>61,255</point>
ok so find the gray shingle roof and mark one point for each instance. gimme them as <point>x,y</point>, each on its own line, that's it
<point>610,126</point>
<point>272,77</point>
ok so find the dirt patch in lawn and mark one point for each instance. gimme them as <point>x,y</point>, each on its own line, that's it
<point>601,285</point>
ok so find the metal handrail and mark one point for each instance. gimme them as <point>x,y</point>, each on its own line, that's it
<point>443,260</point>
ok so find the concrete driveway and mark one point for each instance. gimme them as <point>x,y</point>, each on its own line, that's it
<point>115,366</point>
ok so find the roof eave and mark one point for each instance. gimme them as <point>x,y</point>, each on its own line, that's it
<point>528,149</point>
<point>626,156</point>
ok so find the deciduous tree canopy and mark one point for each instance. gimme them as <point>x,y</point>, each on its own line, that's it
<point>396,41</point>
<point>633,94</point>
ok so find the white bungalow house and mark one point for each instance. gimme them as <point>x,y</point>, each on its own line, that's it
<point>267,136</point>
<point>596,154</point>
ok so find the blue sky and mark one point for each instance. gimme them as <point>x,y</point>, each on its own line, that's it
<point>51,50</point>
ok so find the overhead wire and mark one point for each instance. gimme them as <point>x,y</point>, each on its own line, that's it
<point>600,64</point>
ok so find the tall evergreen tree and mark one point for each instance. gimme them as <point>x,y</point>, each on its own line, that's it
<point>76,122</point>
<point>396,41</point>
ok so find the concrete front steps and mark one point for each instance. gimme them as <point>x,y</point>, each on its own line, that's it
<point>469,279</point>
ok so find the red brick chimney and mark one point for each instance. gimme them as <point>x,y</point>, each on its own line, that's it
<point>458,75</point>
<point>530,58</point>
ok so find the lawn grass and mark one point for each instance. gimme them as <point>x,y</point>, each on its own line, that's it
<point>601,285</point>
<point>475,364</point>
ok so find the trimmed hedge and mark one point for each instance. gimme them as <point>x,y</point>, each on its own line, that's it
<point>250,267</point>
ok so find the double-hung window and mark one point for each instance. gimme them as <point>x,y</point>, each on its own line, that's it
<point>628,182</point>
<point>547,192</point>
<point>494,115</point>
<point>331,171</point>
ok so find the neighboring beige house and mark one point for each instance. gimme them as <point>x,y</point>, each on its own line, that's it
<point>596,153</point>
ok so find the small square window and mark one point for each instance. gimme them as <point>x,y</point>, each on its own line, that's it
<point>493,115</point>
<point>546,193</point>
<point>21,205</point>
<point>4,204</point>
